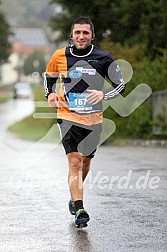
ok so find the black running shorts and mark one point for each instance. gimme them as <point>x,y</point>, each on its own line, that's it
<point>79,138</point>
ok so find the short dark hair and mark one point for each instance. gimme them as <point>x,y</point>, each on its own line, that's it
<point>83,20</point>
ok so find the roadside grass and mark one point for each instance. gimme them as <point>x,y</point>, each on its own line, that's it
<point>34,129</point>
<point>30,128</point>
<point>5,93</point>
<point>4,99</point>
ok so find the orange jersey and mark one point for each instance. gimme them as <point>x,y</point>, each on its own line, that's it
<point>76,71</point>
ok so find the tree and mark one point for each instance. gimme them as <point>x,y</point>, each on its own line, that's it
<point>141,21</point>
<point>35,62</point>
<point>95,10</point>
<point>128,22</point>
<point>4,38</point>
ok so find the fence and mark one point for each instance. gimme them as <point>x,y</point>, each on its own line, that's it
<point>159,112</point>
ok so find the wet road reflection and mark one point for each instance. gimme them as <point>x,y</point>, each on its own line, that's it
<point>125,215</point>
<point>13,111</point>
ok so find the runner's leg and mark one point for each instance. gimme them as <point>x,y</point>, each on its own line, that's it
<point>75,181</point>
<point>85,167</point>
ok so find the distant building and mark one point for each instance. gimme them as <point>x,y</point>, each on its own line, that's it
<point>27,40</point>
<point>24,42</point>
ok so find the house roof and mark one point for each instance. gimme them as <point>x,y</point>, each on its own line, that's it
<point>29,38</point>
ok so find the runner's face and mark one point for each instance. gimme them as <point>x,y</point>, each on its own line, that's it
<point>81,36</point>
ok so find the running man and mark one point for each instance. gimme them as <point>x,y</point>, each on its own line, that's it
<point>79,71</point>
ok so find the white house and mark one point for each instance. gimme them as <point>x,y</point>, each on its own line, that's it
<point>24,41</point>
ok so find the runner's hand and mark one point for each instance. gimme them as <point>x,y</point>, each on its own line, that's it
<point>53,100</point>
<point>95,96</point>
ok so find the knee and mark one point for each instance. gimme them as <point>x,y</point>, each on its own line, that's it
<point>75,161</point>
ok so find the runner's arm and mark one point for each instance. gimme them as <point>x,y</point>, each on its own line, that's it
<point>49,84</point>
<point>51,76</point>
<point>114,74</point>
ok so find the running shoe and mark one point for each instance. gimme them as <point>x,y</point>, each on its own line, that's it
<point>71,206</point>
<point>81,218</point>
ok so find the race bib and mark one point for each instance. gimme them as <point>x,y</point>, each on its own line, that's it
<point>78,102</point>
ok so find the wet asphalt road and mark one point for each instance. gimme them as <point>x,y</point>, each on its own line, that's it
<point>125,195</point>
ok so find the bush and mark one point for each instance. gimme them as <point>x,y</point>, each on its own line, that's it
<point>152,72</point>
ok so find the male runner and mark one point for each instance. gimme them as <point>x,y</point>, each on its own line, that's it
<point>80,69</point>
